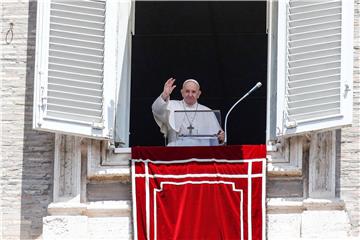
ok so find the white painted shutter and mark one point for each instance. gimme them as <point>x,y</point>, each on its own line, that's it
<point>126,30</point>
<point>75,73</point>
<point>314,65</point>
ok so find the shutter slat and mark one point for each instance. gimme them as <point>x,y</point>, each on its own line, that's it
<point>314,87</point>
<point>75,83</point>
<point>87,4</point>
<point>314,108</point>
<point>314,54</point>
<point>319,80</point>
<point>315,33</point>
<point>81,104</point>
<point>75,76</point>
<point>75,90</point>
<point>306,102</point>
<point>76,56</point>
<point>72,96</point>
<point>315,27</point>
<point>74,110</point>
<point>76,42</point>
<point>78,63</point>
<point>298,28</point>
<point>311,41</point>
<point>315,7</point>
<point>78,49</point>
<point>310,116</point>
<point>318,12</point>
<point>64,116</point>
<point>316,19</point>
<point>75,70</point>
<point>312,61</point>
<point>93,48</point>
<point>315,67</point>
<point>77,22</point>
<point>78,29</point>
<point>315,47</point>
<point>297,3</point>
<point>67,6</point>
<point>314,74</point>
<point>313,94</point>
<point>77,35</point>
<point>73,14</point>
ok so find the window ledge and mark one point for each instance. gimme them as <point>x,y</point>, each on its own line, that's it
<point>298,205</point>
<point>122,150</point>
<point>283,170</point>
<point>91,209</point>
<point>106,165</point>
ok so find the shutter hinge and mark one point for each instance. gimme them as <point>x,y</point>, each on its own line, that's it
<point>291,124</point>
<point>347,89</point>
<point>43,98</point>
<point>43,101</point>
<point>110,134</point>
<point>99,125</point>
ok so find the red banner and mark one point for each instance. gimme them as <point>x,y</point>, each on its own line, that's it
<point>199,192</point>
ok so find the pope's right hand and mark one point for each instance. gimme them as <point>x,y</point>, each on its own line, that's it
<point>168,88</point>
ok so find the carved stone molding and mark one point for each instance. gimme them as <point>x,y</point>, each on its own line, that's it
<point>104,164</point>
<point>322,158</point>
<point>287,160</point>
<point>67,168</point>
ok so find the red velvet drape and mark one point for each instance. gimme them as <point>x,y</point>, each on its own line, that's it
<point>199,192</point>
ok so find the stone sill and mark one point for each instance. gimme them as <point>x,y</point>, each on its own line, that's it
<point>282,170</point>
<point>91,209</point>
<point>123,151</point>
<point>110,173</point>
<point>123,208</point>
<point>298,205</point>
<point>122,156</point>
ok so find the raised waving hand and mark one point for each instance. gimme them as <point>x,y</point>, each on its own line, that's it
<point>168,88</point>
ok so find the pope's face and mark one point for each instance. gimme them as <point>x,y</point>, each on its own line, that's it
<point>190,93</point>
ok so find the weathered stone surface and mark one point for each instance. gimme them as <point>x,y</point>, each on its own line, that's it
<point>65,227</point>
<point>109,227</point>
<point>314,224</point>
<point>324,224</point>
<point>283,226</point>
<point>26,155</point>
<point>348,156</point>
<point>83,227</point>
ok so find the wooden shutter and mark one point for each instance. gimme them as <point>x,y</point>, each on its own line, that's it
<point>314,65</point>
<point>75,78</point>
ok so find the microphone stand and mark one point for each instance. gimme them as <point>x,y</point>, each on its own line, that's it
<point>258,85</point>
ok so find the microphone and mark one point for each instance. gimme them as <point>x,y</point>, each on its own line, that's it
<point>258,85</point>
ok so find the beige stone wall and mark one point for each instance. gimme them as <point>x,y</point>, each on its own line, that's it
<point>349,152</point>
<point>27,155</point>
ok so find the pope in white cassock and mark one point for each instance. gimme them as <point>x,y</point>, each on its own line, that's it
<point>189,121</point>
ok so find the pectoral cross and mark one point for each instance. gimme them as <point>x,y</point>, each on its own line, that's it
<point>190,129</point>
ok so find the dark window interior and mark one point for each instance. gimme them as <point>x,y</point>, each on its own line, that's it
<point>223,45</point>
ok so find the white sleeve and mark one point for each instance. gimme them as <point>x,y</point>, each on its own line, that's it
<point>161,114</point>
<point>159,108</point>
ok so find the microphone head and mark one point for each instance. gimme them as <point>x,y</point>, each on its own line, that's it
<point>259,84</point>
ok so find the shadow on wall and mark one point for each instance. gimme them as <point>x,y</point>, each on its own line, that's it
<point>38,151</point>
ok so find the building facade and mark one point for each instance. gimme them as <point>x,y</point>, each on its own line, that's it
<point>66,186</point>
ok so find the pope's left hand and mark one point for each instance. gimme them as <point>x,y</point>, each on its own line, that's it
<point>221,136</point>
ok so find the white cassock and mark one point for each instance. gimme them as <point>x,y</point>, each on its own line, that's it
<point>173,125</point>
